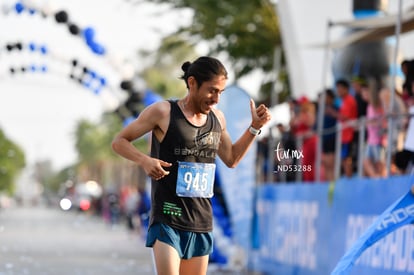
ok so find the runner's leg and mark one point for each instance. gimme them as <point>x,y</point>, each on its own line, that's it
<point>194,266</point>
<point>167,259</point>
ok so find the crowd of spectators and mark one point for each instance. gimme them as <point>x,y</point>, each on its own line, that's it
<point>363,108</point>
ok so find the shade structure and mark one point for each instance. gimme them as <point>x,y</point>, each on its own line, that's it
<point>373,28</point>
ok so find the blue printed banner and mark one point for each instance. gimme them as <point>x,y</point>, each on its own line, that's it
<point>290,218</point>
<point>238,183</point>
<point>399,214</point>
<point>306,229</point>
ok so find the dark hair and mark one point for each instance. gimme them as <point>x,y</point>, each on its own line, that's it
<point>330,93</point>
<point>203,69</point>
<point>405,62</point>
<point>342,82</point>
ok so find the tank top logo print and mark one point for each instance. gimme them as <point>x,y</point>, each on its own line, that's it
<point>210,140</point>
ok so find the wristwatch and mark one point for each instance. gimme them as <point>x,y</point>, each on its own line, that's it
<point>254,131</point>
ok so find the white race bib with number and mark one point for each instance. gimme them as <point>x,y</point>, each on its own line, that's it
<point>195,179</point>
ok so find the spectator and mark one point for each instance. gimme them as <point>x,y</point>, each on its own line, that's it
<point>400,120</point>
<point>329,136</point>
<point>348,111</point>
<point>262,159</point>
<point>407,67</point>
<point>132,201</point>
<point>404,159</point>
<point>303,126</point>
<point>373,159</point>
<point>287,142</point>
<point>358,84</point>
<point>144,210</point>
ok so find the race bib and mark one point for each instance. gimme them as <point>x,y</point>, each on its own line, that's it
<point>195,179</point>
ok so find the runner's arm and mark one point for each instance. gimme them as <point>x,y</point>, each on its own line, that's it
<point>232,154</point>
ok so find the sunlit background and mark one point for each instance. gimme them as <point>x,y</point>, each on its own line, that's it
<point>73,73</point>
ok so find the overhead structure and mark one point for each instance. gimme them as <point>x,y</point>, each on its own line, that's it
<point>373,28</point>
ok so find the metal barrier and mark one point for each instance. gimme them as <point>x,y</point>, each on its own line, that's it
<point>358,125</point>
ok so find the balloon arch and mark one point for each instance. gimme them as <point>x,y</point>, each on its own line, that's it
<point>123,98</point>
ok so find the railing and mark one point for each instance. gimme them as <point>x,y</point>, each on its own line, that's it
<point>358,125</point>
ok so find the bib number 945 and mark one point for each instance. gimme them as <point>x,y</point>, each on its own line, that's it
<point>195,179</point>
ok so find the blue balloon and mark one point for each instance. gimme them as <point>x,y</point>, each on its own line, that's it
<point>151,97</point>
<point>32,46</point>
<point>43,68</point>
<point>88,33</point>
<point>103,81</point>
<point>97,91</point>
<point>19,7</point>
<point>86,84</point>
<point>93,74</point>
<point>33,68</point>
<point>128,120</point>
<point>97,48</point>
<point>32,11</point>
<point>43,49</point>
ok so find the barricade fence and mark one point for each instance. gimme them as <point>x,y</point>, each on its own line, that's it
<point>305,229</point>
<point>399,124</point>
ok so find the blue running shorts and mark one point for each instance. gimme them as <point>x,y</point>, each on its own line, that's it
<point>188,244</point>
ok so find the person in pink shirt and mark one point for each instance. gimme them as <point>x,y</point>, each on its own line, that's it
<point>373,159</point>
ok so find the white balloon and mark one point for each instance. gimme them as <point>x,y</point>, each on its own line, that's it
<point>28,4</point>
<point>128,71</point>
<point>139,84</point>
<point>49,8</point>
<point>5,8</point>
<point>115,60</point>
<point>110,102</point>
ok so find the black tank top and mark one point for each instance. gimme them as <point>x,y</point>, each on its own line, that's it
<point>183,142</point>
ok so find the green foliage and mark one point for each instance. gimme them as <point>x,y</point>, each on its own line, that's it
<point>54,183</point>
<point>93,141</point>
<point>163,75</point>
<point>93,145</point>
<point>12,161</point>
<point>44,174</point>
<point>247,31</point>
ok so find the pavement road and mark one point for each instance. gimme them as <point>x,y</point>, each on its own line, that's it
<point>47,241</point>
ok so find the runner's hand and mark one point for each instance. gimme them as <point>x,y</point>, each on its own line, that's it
<point>155,168</point>
<point>260,115</point>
